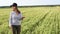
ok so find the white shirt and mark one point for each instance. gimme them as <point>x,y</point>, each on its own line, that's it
<point>15,19</point>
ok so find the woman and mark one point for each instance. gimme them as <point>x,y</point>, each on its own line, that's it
<point>15,19</point>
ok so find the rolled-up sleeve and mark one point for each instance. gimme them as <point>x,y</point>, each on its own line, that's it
<point>10,19</point>
<point>21,15</point>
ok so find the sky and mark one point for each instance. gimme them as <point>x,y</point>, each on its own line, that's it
<point>29,2</point>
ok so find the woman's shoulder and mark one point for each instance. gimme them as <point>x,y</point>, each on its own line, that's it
<point>12,12</point>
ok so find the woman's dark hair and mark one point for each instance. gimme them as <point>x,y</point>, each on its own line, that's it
<point>18,11</point>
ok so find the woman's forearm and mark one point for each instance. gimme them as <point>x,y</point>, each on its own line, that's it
<point>22,18</point>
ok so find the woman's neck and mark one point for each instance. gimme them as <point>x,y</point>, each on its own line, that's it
<point>16,11</point>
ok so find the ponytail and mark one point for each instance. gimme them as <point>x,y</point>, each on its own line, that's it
<point>18,11</point>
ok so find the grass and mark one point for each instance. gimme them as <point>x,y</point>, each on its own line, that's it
<point>38,20</point>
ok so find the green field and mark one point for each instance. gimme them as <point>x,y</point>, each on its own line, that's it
<point>38,20</point>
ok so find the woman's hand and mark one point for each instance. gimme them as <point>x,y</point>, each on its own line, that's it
<point>9,27</point>
<point>22,18</point>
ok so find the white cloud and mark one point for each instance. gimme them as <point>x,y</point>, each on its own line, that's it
<point>28,2</point>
